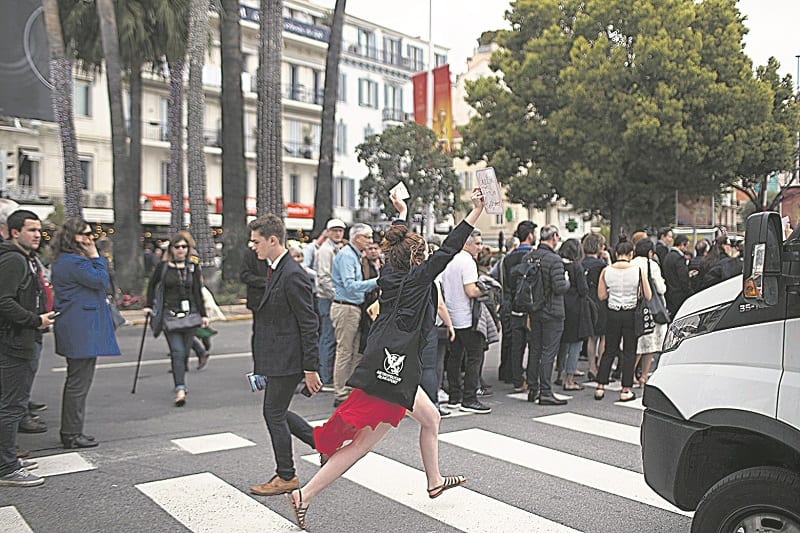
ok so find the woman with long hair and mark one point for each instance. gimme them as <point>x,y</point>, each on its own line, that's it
<point>365,419</point>
<point>575,331</point>
<point>84,330</point>
<point>650,344</point>
<point>620,284</point>
<point>594,246</point>
<point>182,282</point>
<point>721,263</point>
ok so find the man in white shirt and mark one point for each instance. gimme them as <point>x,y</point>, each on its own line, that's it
<point>459,285</point>
<point>323,264</point>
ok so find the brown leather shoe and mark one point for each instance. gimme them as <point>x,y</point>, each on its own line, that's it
<point>276,485</point>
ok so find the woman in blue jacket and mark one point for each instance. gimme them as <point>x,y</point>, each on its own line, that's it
<point>80,278</point>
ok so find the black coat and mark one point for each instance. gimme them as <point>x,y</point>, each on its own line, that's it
<point>676,274</point>
<point>573,303</point>
<point>592,267</point>
<point>555,284</point>
<point>285,325</point>
<point>725,269</point>
<point>253,273</point>
<point>20,292</point>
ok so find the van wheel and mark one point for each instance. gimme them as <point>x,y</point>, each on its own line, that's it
<point>761,499</point>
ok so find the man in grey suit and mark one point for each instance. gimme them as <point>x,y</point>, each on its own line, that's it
<point>285,348</point>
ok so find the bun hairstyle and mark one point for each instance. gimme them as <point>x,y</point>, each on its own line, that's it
<point>403,248</point>
<point>623,246</point>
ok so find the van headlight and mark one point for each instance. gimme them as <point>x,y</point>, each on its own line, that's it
<point>692,326</point>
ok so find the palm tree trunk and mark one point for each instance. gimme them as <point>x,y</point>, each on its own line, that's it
<point>127,222</point>
<point>61,97</point>
<point>135,131</point>
<point>323,197</point>
<point>269,165</point>
<point>175,132</point>
<point>198,28</point>
<point>234,173</point>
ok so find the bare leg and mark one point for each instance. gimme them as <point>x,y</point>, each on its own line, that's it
<point>591,349</point>
<point>428,417</point>
<point>647,361</point>
<point>343,459</point>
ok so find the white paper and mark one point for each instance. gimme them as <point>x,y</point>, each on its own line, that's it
<point>400,191</point>
<point>492,196</point>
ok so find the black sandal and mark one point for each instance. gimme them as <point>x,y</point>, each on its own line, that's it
<point>299,509</point>
<point>449,483</point>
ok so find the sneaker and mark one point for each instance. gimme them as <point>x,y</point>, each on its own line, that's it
<point>443,413</point>
<point>28,464</point>
<point>35,406</point>
<point>476,407</point>
<point>21,478</point>
<point>327,388</point>
<point>443,397</point>
<point>484,392</point>
<point>521,388</point>
<point>453,405</point>
<point>31,425</point>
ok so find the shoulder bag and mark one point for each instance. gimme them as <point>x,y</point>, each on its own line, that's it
<point>643,318</point>
<point>658,308</point>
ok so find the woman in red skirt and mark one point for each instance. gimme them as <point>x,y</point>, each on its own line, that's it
<point>364,419</point>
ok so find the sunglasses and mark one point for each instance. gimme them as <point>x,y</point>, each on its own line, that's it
<point>88,234</point>
<point>179,246</point>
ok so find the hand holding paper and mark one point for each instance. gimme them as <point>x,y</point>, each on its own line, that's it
<point>492,196</point>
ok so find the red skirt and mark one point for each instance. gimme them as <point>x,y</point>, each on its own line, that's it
<point>358,411</point>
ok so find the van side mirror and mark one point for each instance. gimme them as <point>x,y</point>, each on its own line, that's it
<point>763,258</point>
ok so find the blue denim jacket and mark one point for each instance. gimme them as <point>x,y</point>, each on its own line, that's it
<point>348,280</point>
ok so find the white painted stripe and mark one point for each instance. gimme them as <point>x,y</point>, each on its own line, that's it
<point>164,361</point>
<point>213,443</point>
<point>524,396</point>
<point>12,522</point>
<point>563,465</point>
<point>460,507</point>
<point>616,386</point>
<point>633,404</point>
<point>63,463</point>
<point>203,502</point>
<point>593,426</point>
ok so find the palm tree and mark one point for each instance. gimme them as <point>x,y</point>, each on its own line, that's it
<point>234,174</point>
<point>323,197</point>
<point>61,97</point>
<point>127,223</point>
<point>269,164</point>
<point>198,32</point>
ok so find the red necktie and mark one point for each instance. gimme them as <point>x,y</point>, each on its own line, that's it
<point>270,270</point>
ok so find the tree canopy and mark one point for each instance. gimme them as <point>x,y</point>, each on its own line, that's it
<point>409,153</point>
<point>615,104</point>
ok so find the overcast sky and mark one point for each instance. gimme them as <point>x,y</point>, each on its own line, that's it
<point>458,23</point>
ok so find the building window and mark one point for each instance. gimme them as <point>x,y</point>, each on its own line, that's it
<point>392,51</point>
<point>344,193</point>
<point>499,220</point>
<point>393,100</point>
<point>293,91</point>
<point>87,182</point>
<point>301,139</point>
<point>416,58</point>
<point>341,137</point>
<point>164,186</point>
<point>294,188</point>
<point>467,179</point>
<point>368,132</point>
<point>439,60</point>
<point>319,87</point>
<point>28,164</point>
<point>82,99</point>
<point>366,44</point>
<point>342,92</point>
<point>367,93</point>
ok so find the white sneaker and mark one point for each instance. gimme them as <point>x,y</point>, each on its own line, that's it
<point>28,464</point>
<point>443,396</point>
<point>21,478</point>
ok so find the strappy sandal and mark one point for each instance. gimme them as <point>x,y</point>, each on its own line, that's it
<point>323,458</point>
<point>599,394</point>
<point>627,396</point>
<point>449,483</point>
<point>299,509</point>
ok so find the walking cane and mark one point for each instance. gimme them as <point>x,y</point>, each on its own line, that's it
<point>141,348</point>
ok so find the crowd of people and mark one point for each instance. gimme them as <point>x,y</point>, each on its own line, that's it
<point>390,328</point>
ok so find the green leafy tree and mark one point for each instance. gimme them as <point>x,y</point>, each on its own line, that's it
<point>409,153</point>
<point>607,101</point>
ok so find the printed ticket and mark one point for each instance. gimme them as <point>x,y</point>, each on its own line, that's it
<point>492,196</point>
<point>400,191</point>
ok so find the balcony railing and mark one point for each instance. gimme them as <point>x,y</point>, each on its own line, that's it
<point>300,93</point>
<point>385,56</point>
<point>394,115</point>
<point>300,150</point>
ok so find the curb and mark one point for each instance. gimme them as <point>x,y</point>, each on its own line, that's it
<point>232,318</point>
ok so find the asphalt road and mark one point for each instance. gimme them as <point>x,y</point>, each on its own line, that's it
<point>578,468</point>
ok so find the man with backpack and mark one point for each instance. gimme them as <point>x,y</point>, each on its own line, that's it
<point>547,284</point>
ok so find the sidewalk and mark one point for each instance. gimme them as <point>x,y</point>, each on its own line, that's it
<point>231,312</point>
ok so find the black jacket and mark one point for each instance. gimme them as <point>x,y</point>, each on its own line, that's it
<point>21,302</point>
<point>253,273</point>
<point>725,269</point>
<point>509,262</point>
<point>676,274</point>
<point>573,300</point>
<point>661,251</point>
<point>555,284</point>
<point>285,324</point>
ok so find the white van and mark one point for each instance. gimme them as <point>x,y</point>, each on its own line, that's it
<point>721,429</point>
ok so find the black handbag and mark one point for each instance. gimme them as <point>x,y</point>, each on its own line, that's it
<point>390,368</point>
<point>176,321</point>
<point>643,318</point>
<point>157,319</point>
<point>656,304</point>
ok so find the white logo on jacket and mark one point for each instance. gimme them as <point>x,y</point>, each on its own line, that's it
<point>393,362</point>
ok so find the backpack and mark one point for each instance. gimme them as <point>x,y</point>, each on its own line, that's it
<point>529,294</point>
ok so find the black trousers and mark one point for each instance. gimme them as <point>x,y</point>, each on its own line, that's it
<point>520,338</point>
<point>80,374</point>
<point>545,340</point>
<point>282,423</point>
<point>16,378</point>
<point>468,347</point>
<point>505,372</point>
<point>620,327</point>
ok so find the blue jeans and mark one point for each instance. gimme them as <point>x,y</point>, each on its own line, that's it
<point>430,374</point>
<point>180,346</point>
<point>573,352</point>
<point>16,378</point>
<point>327,340</point>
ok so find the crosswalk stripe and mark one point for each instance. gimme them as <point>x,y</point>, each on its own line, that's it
<point>616,387</point>
<point>164,361</point>
<point>524,396</point>
<point>205,503</point>
<point>460,508</point>
<point>212,443</point>
<point>587,472</point>
<point>633,404</point>
<point>593,426</point>
<point>12,522</point>
<point>62,463</point>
